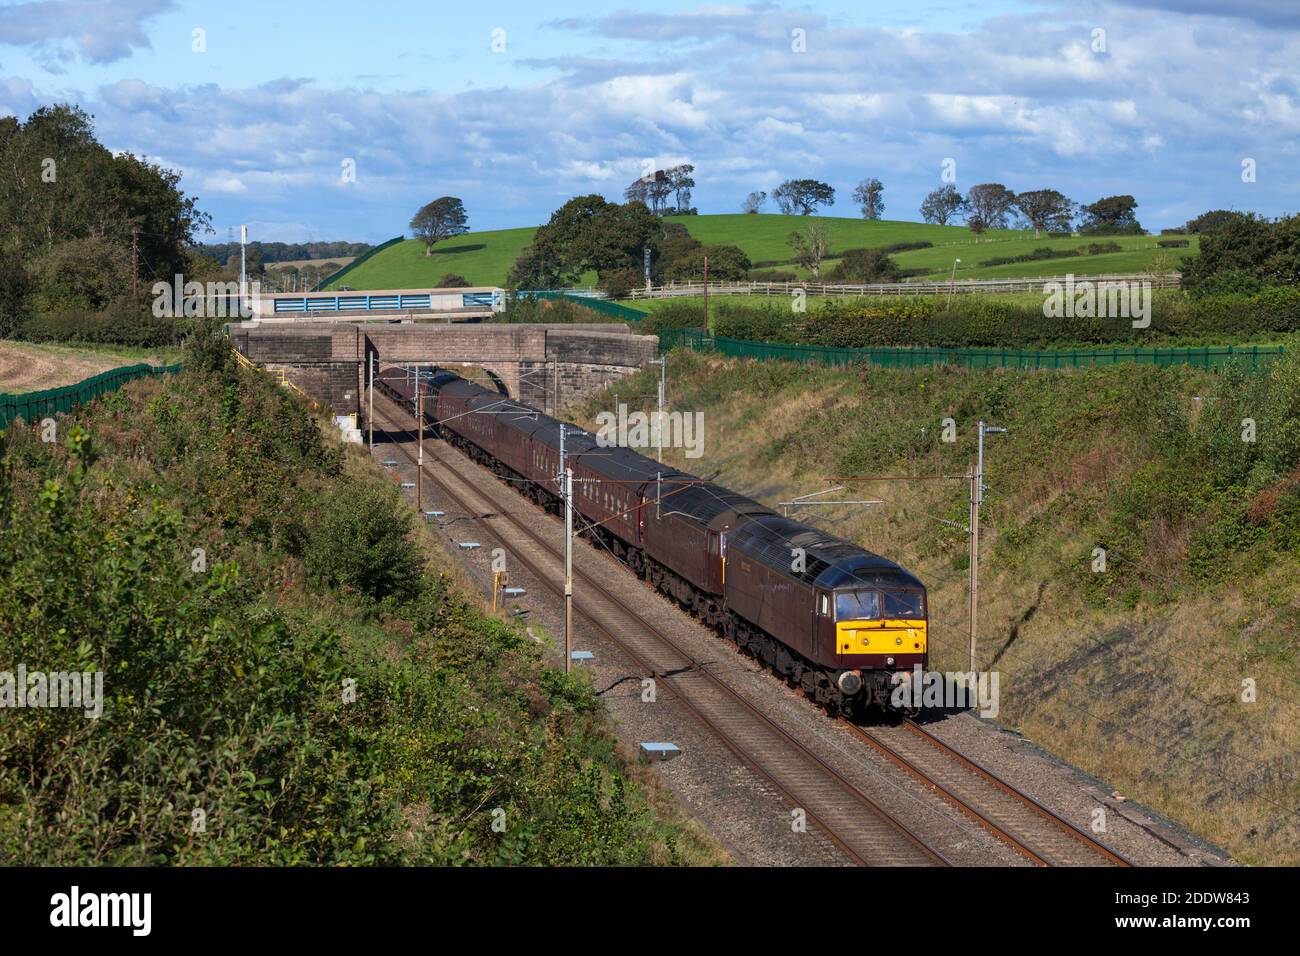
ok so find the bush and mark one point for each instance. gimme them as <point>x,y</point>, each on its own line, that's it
<point>1173,243</point>
<point>16,283</point>
<point>727,263</point>
<point>1038,255</point>
<point>1100,248</point>
<point>453,281</point>
<point>361,540</point>
<point>122,323</point>
<point>864,265</point>
<point>80,274</point>
<point>526,309</point>
<point>993,321</point>
<point>618,283</point>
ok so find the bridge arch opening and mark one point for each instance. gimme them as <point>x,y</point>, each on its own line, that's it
<point>475,373</point>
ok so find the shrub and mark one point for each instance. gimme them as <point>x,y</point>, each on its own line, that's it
<point>453,281</point>
<point>864,265</point>
<point>361,540</point>
<point>993,321</point>
<point>1039,254</point>
<point>16,283</point>
<point>727,263</point>
<point>122,323</point>
<point>1101,248</point>
<point>617,283</point>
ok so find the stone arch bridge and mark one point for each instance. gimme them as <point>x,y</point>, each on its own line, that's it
<point>544,365</point>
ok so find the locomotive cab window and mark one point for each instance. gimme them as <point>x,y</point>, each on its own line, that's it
<point>857,605</point>
<point>904,604</point>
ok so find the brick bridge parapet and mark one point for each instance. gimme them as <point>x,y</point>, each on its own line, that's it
<point>545,365</point>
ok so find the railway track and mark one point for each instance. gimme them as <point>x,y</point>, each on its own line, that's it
<point>1041,836</point>
<point>861,828</point>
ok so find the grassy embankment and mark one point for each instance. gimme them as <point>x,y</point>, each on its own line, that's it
<point>27,366</point>
<point>484,258</point>
<point>1134,674</point>
<point>286,657</point>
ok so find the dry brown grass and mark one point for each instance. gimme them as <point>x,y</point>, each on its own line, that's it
<point>28,367</point>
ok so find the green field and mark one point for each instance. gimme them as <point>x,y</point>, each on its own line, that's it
<point>484,258</point>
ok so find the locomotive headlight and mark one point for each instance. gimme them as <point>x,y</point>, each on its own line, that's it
<point>889,661</point>
<point>898,640</point>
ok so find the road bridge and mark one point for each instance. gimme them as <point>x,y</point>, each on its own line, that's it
<point>543,364</point>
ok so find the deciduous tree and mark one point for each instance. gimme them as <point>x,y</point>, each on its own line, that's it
<point>1045,209</point>
<point>803,196</point>
<point>441,219</point>
<point>942,204</point>
<point>867,194</point>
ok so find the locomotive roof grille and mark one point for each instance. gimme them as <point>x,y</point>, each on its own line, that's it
<point>830,562</point>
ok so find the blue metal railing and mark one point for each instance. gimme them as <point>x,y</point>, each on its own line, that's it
<point>363,302</point>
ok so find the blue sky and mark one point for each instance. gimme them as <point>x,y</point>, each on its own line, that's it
<point>1165,104</point>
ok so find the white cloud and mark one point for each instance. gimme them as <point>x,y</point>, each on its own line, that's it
<point>100,32</point>
<point>1164,114</point>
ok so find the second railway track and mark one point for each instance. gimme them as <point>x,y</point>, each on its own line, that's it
<point>1037,833</point>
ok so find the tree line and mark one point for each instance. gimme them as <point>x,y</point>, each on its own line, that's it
<point>77,221</point>
<point>227,253</point>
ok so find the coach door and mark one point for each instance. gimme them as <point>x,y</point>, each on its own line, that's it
<point>822,618</point>
<point>713,564</point>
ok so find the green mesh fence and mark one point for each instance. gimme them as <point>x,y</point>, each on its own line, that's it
<point>33,406</point>
<point>1254,357</point>
<point>612,309</point>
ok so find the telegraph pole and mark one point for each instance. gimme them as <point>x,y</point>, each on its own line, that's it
<point>659,422</point>
<point>568,569</point>
<point>419,481</point>
<point>243,270</point>
<point>135,267</point>
<point>973,584</point>
<point>977,488</point>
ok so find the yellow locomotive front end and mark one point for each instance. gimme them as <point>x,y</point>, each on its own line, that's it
<point>879,633</point>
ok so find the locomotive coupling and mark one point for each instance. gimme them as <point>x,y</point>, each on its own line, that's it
<point>849,682</point>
